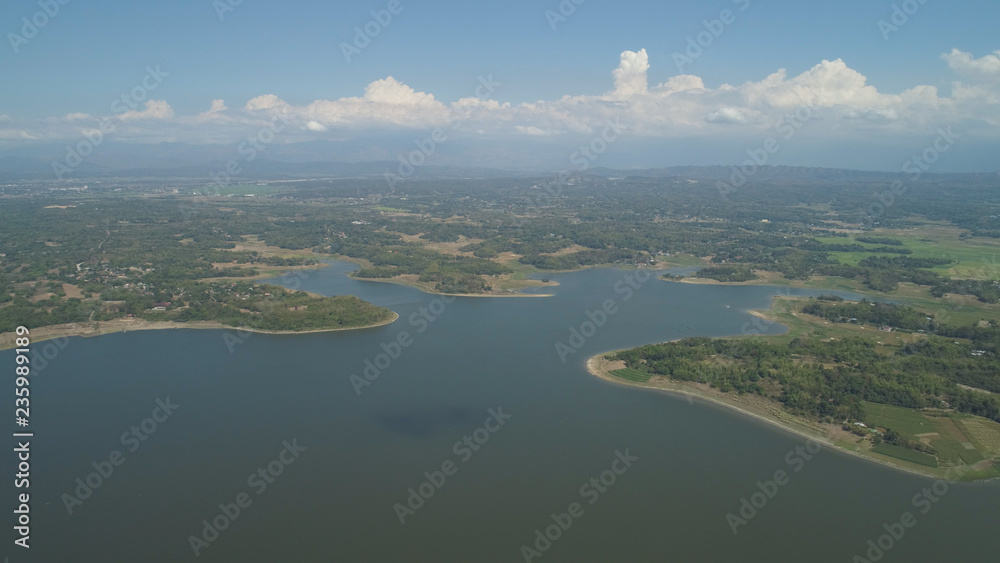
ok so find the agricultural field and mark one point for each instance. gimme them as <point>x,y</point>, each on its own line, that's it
<point>973,257</point>
<point>632,375</point>
<point>959,440</point>
<point>907,422</point>
<point>906,454</point>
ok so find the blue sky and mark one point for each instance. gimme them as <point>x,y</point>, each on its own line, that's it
<point>90,53</point>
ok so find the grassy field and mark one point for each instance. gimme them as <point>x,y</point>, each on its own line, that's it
<point>631,375</point>
<point>973,257</point>
<point>959,439</point>
<point>907,422</point>
<point>953,453</point>
<point>906,454</point>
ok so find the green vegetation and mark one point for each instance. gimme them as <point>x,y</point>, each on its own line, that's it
<point>871,313</point>
<point>905,454</point>
<point>632,375</point>
<point>69,254</point>
<point>910,399</point>
<point>907,422</point>
<point>728,274</point>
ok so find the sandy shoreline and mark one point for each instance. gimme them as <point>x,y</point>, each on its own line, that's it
<point>92,329</point>
<point>754,407</point>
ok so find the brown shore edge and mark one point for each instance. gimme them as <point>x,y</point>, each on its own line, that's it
<point>757,408</point>
<point>91,329</point>
<point>432,292</point>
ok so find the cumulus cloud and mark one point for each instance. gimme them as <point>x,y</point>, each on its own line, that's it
<point>316,126</point>
<point>726,115</point>
<point>17,135</point>
<point>266,102</point>
<point>630,76</point>
<point>533,131</point>
<point>215,114</point>
<point>155,109</point>
<point>841,99</point>
<point>964,64</point>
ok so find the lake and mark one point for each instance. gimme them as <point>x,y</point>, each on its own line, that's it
<point>273,427</point>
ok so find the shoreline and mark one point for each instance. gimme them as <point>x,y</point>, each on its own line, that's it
<point>406,283</point>
<point>363,263</point>
<point>101,328</point>
<point>597,366</point>
<point>430,292</point>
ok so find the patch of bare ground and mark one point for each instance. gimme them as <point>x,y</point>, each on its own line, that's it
<point>72,291</point>
<point>449,248</point>
<point>568,250</point>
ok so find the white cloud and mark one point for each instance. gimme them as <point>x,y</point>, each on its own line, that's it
<point>17,135</point>
<point>155,109</point>
<point>964,64</point>
<point>316,126</point>
<point>533,131</point>
<point>727,115</point>
<point>217,106</point>
<point>266,102</point>
<point>630,76</point>
<point>841,99</point>
<point>215,114</point>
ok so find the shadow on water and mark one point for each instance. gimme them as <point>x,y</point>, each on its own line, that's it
<point>429,421</point>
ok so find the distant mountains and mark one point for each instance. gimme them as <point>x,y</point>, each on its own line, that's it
<point>350,159</point>
<point>779,174</point>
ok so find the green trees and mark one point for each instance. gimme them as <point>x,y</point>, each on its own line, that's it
<point>728,273</point>
<point>830,379</point>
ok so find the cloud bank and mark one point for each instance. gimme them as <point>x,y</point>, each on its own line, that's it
<point>844,104</point>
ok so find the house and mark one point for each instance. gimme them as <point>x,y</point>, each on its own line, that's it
<point>161,306</point>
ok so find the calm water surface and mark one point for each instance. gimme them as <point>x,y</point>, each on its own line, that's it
<point>240,399</point>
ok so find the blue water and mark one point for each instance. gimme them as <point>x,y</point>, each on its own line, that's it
<point>241,397</point>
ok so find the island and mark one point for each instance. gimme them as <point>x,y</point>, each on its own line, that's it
<point>880,380</point>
